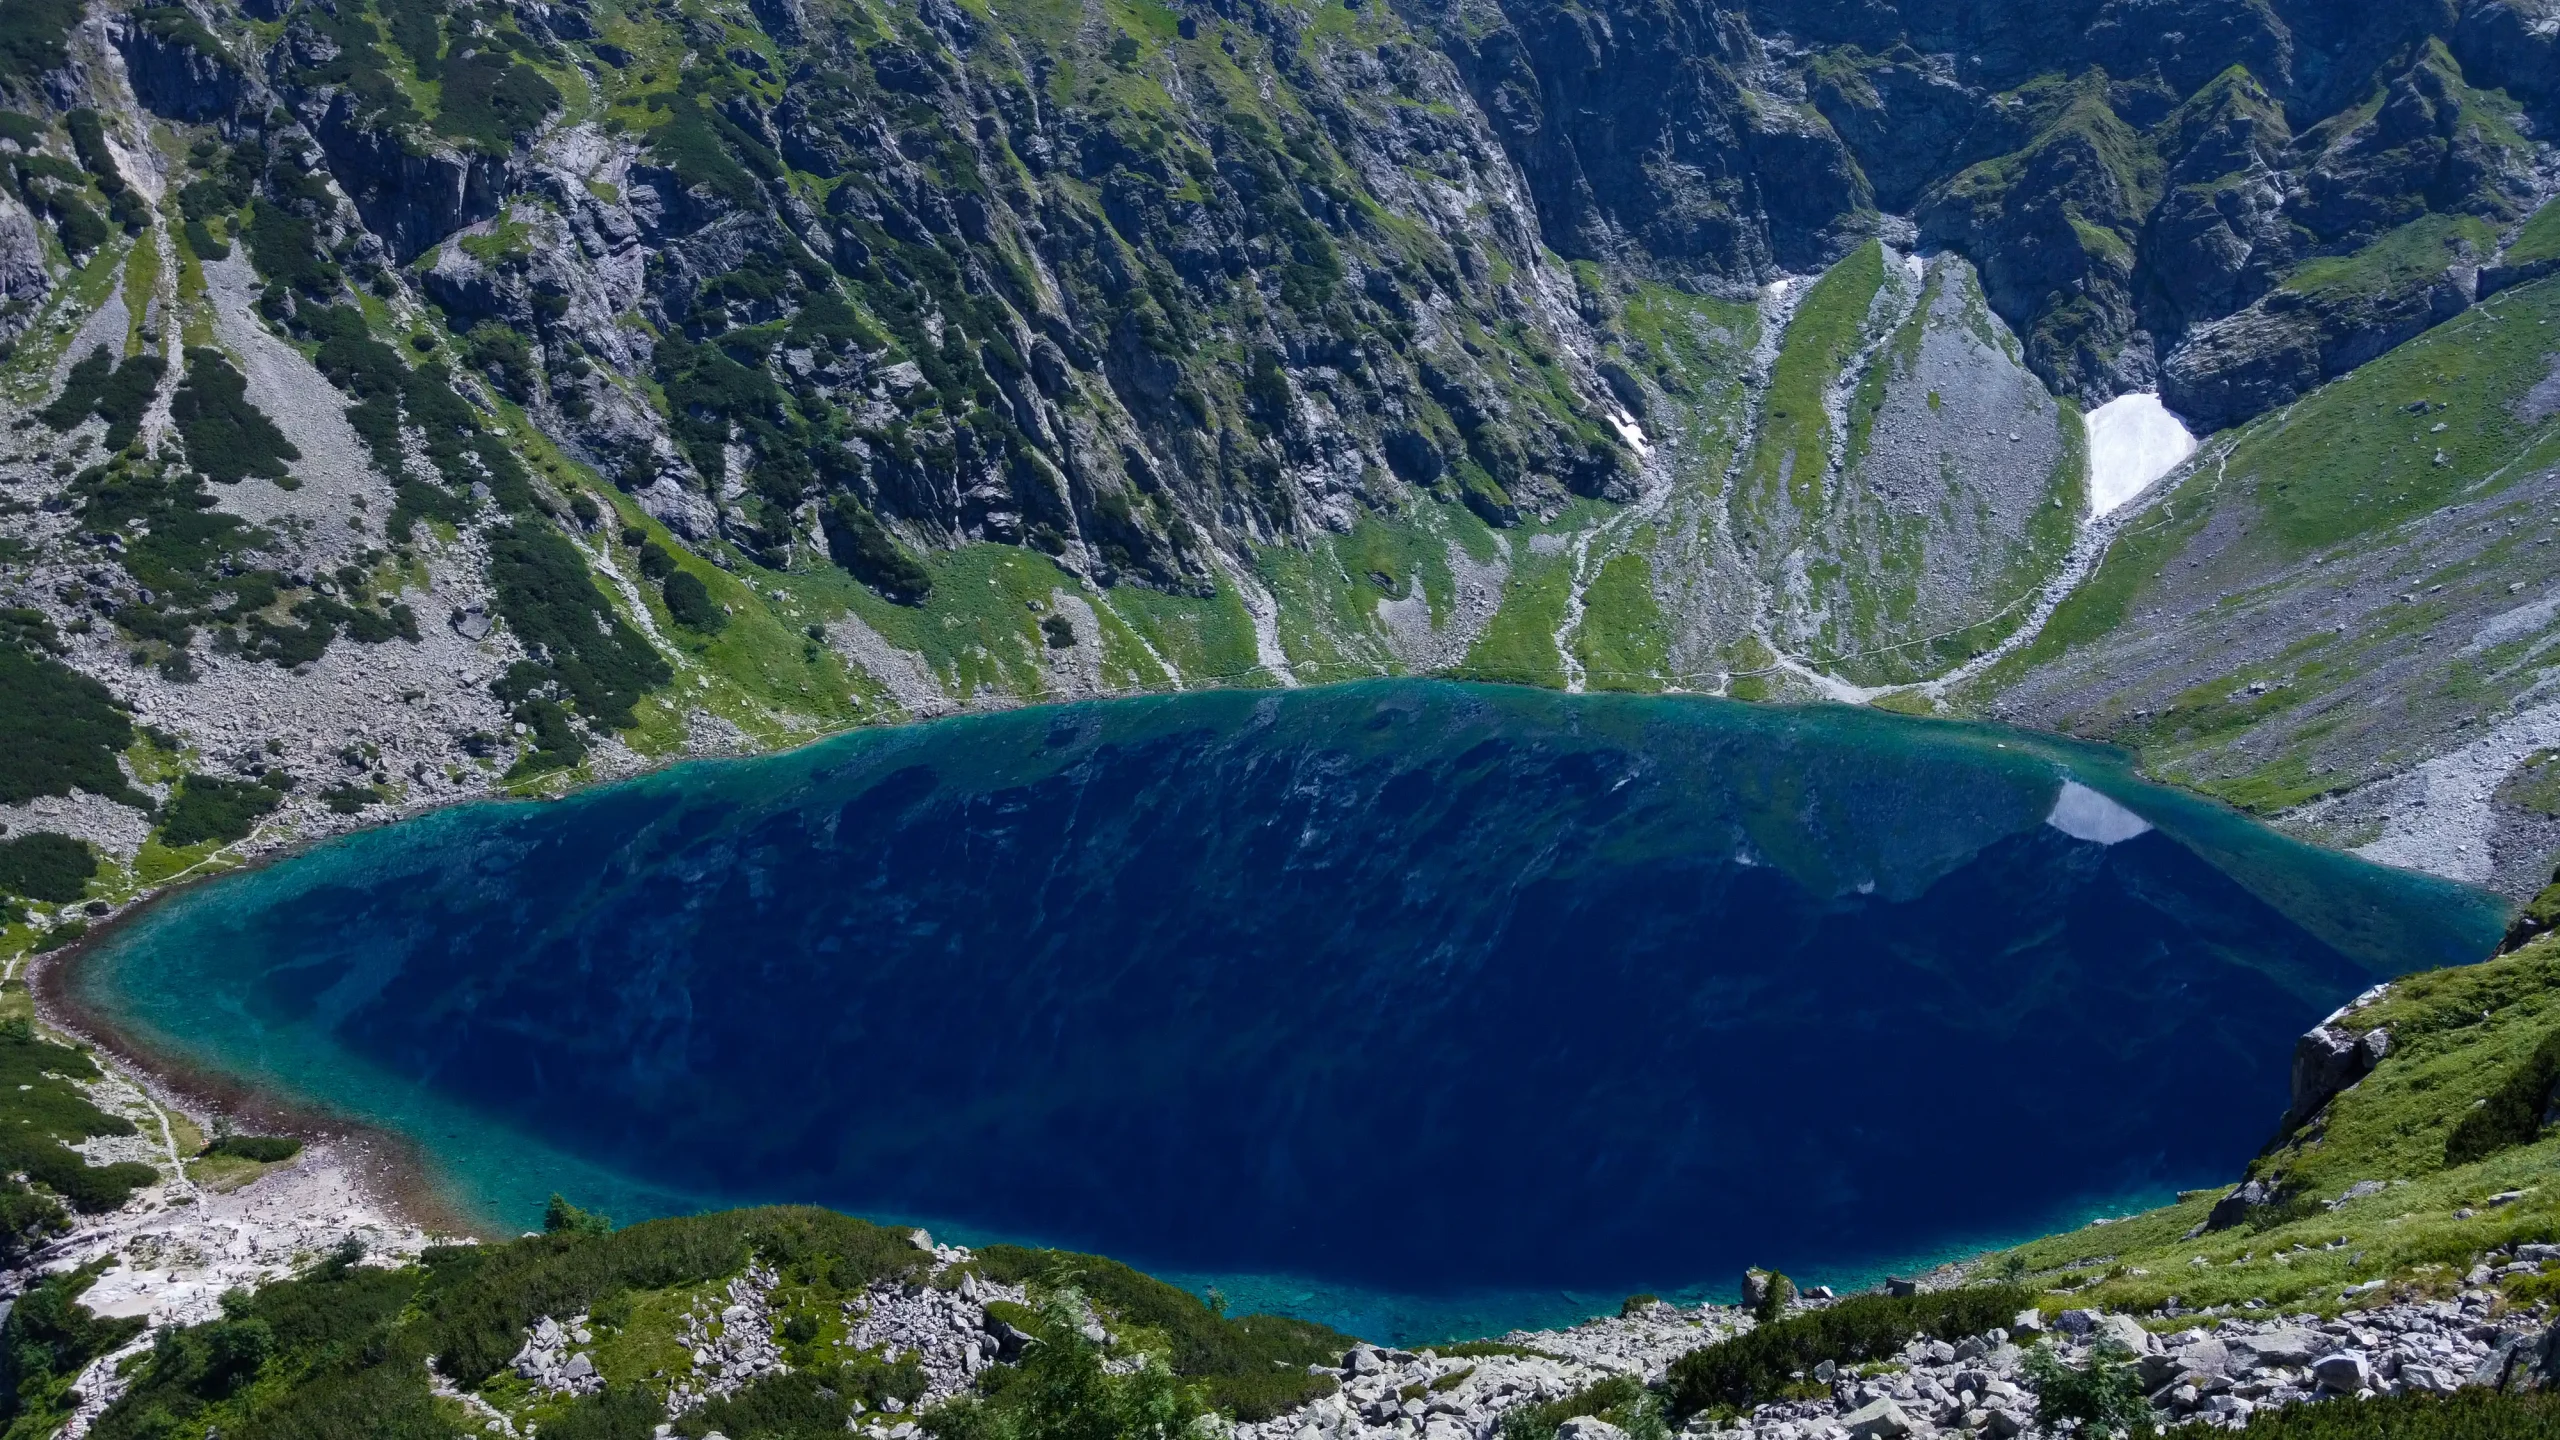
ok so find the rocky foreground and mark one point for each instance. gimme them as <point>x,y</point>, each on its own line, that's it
<point>2216,1368</point>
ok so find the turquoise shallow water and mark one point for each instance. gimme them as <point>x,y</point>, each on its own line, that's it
<point>1417,1007</point>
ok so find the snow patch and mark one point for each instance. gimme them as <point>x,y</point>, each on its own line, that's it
<point>1630,432</point>
<point>2084,814</point>
<point>2133,440</point>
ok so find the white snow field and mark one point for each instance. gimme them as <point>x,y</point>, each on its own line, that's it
<point>2133,440</point>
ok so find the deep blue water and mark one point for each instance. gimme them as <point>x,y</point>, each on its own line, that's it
<point>1434,1006</point>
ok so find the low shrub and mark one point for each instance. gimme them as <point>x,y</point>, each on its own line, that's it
<point>46,1341</point>
<point>2467,1414</point>
<point>862,545</point>
<point>43,1113</point>
<point>1063,1391</point>
<point>45,866</point>
<point>209,807</point>
<point>559,1217</point>
<point>227,438</point>
<point>623,1412</point>
<point>64,731</point>
<point>1621,1400</point>
<point>478,1299</point>
<point>117,394</point>
<point>264,1149</point>
<point>2104,1395</point>
<point>1253,1367</point>
<point>350,799</point>
<point>690,602</point>
<point>1751,1368</point>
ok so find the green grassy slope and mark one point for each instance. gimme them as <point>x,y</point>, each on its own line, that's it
<point>2459,1038</point>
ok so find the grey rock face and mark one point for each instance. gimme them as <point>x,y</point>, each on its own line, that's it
<point>2326,1061</point>
<point>24,281</point>
<point>172,75</point>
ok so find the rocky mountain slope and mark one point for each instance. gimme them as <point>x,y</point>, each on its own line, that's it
<point>410,399</point>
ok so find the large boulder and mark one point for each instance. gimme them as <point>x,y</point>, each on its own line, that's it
<point>1876,1420</point>
<point>2327,1060</point>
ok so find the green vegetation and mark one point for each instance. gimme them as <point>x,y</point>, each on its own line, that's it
<point>874,557</point>
<point>2414,255</point>
<point>2461,1039</point>
<point>45,866</point>
<point>226,436</point>
<point>2513,1114</point>
<point>117,394</point>
<point>33,36</point>
<point>690,602</point>
<point>42,1114</point>
<point>45,1343</point>
<point>209,807</point>
<point>2467,1414</point>
<point>1518,646</point>
<point>1621,1400</point>
<point>1759,1366</point>
<point>595,661</point>
<point>1252,1367</point>
<point>262,1149</point>
<point>1623,642</point>
<point>2538,241</point>
<point>1061,1389</point>
<point>1791,457</point>
<point>2104,1394</point>
<point>65,732</point>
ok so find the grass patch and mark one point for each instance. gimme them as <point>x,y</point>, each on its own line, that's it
<point>1623,643</point>
<point>2422,1212</point>
<point>1518,645</point>
<point>257,1149</point>
<point>2538,240</point>
<point>2414,255</point>
<point>1792,455</point>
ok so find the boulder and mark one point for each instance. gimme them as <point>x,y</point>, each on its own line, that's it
<point>2327,1060</point>
<point>1580,1427</point>
<point>2125,1331</point>
<point>1755,1281</point>
<point>2234,1208</point>
<point>2345,1371</point>
<point>2079,1322</point>
<point>1876,1420</point>
<point>2426,1378</point>
<point>2204,1357</point>
<point>2280,1347</point>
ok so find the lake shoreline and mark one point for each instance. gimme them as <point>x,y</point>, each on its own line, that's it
<point>390,1169</point>
<point>403,1172</point>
